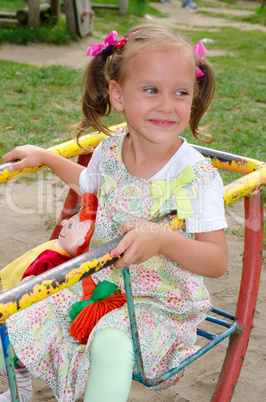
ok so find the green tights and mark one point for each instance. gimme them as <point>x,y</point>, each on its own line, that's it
<point>112,360</point>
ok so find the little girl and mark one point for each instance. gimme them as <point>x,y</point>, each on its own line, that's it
<point>161,84</point>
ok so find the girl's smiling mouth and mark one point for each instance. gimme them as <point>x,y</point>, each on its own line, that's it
<point>162,122</point>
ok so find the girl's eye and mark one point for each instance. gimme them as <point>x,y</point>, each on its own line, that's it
<point>181,93</point>
<point>69,226</point>
<point>151,90</point>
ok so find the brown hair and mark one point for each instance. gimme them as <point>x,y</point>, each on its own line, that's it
<point>103,68</point>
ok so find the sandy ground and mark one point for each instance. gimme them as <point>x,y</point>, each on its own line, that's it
<point>26,209</point>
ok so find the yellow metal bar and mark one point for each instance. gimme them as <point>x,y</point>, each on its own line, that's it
<point>67,149</point>
<point>48,287</point>
<point>228,161</point>
<point>244,186</point>
<point>71,149</point>
<point>42,286</point>
<point>254,180</point>
<point>234,191</point>
<point>244,166</point>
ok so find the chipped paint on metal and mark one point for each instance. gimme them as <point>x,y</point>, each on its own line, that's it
<point>48,287</point>
<point>244,186</point>
<point>42,286</point>
<point>67,149</point>
<point>240,165</point>
<point>228,161</point>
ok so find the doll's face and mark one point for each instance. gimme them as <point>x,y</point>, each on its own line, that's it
<point>73,233</point>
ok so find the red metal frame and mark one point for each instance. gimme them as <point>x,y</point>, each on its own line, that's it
<point>247,298</point>
<point>248,293</point>
<point>72,201</point>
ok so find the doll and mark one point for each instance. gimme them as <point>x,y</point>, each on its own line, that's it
<point>73,240</point>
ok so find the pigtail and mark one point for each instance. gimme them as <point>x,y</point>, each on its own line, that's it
<point>95,96</point>
<point>204,92</point>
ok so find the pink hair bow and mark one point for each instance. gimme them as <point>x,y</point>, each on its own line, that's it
<point>96,48</point>
<point>200,51</point>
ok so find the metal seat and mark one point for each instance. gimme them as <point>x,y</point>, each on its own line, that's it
<point>237,326</point>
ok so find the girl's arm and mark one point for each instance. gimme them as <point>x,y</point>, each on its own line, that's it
<point>207,255</point>
<point>31,156</point>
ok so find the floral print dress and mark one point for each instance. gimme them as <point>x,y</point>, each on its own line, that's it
<point>170,301</point>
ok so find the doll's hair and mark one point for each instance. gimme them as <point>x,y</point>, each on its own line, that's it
<point>103,68</point>
<point>88,211</point>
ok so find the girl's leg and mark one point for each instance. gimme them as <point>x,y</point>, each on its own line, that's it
<point>23,378</point>
<point>112,360</point>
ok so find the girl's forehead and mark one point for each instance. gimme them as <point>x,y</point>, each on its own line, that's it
<point>151,59</point>
<point>168,53</point>
<point>134,56</point>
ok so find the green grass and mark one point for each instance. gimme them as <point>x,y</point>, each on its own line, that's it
<point>237,111</point>
<point>47,32</point>
<point>231,2</point>
<point>238,107</point>
<point>106,19</point>
<point>14,5</point>
<point>38,104</point>
<point>135,7</point>
<point>258,17</point>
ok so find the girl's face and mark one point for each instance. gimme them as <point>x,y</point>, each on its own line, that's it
<point>156,94</point>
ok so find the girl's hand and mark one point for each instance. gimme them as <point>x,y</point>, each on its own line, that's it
<point>142,241</point>
<point>207,255</point>
<point>27,278</point>
<point>28,156</point>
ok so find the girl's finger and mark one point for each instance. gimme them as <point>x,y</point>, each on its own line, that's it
<point>9,157</point>
<point>121,247</point>
<point>126,260</point>
<point>127,226</point>
<point>16,166</point>
<point>118,250</point>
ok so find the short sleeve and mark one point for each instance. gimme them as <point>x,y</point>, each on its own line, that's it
<point>209,214</point>
<point>90,179</point>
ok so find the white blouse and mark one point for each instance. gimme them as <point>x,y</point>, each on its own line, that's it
<point>209,214</point>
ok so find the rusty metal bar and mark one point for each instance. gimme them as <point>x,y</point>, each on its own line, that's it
<point>247,298</point>
<point>72,202</point>
<point>248,186</point>
<point>38,288</point>
<point>67,149</point>
<point>44,285</point>
<point>244,186</point>
<point>232,162</point>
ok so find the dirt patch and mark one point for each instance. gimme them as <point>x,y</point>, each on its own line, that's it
<point>74,55</point>
<point>191,19</point>
<point>25,209</point>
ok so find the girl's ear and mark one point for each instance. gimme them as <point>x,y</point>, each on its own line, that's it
<point>115,92</point>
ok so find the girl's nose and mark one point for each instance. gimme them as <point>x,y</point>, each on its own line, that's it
<point>165,104</point>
